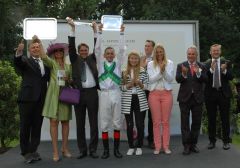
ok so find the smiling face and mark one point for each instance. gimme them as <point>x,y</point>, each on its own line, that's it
<point>192,55</point>
<point>34,50</point>
<point>215,51</point>
<point>83,51</point>
<point>133,60</point>
<point>159,54</point>
<point>58,53</point>
<point>109,54</point>
<point>149,46</point>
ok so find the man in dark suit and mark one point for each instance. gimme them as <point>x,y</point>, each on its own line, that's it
<point>31,98</point>
<point>191,75</point>
<point>217,95</point>
<point>148,48</point>
<point>85,77</point>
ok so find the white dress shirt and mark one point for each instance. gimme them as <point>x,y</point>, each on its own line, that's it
<point>90,81</point>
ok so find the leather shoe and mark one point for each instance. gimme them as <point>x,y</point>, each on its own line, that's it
<point>28,158</point>
<point>226,146</point>
<point>194,149</point>
<point>211,145</point>
<point>93,155</point>
<point>105,154</point>
<point>36,156</point>
<point>117,154</point>
<point>186,150</point>
<point>82,155</point>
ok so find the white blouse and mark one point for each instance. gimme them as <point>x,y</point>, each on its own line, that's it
<point>159,81</point>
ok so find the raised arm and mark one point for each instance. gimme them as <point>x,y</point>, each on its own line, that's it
<point>71,41</point>
<point>99,46</point>
<point>122,46</point>
<point>18,58</point>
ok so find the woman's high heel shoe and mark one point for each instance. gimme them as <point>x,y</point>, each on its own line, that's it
<point>66,154</point>
<point>56,158</point>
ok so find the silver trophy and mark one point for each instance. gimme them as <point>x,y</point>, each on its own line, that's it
<point>44,28</point>
<point>112,22</point>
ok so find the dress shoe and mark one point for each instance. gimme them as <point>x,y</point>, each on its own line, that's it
<point>194,149</point>
<point>226,146</point>
<point>82,155</point>
<point>28,158</point>
<point>117,153</point>
<point>93,155</point>
<point>186,150</point>
<point>36,156</point>
<point>105,154</point>
<point>211,145</point>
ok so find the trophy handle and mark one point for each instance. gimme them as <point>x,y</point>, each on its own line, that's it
<point>77,23</point>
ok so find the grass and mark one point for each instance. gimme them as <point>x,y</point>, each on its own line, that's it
<point>236,140</point>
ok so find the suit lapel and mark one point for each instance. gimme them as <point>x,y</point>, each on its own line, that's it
<point>34,65</point>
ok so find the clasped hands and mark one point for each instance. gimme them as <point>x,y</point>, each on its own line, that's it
<point>134,83</point>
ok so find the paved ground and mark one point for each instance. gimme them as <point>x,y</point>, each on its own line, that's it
<point>217,158</point>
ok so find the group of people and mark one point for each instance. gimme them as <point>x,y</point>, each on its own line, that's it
<point>144,85</point>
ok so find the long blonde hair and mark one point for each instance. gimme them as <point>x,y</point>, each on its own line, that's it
<point>155,59</point>
<point>136,69</point>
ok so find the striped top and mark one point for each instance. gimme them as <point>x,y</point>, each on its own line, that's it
<point>127,94</point>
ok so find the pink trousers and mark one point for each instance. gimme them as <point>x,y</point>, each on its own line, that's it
<point>160,103</point>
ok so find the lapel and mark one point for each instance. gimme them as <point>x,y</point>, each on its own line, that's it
<point>34,65</point>
<point>186,64</point>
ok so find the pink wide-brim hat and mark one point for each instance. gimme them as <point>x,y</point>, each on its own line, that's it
<point>55,46</point>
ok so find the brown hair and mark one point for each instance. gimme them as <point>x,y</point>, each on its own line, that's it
<point>82,45</point>
<point>215,45</point>
<point>150,41</point>
<point>109,48</point>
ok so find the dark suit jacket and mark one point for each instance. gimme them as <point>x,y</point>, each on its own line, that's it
<point>77,63</point>
<point>191,84</point>
<point>33,84</point>
<point>225,78</point>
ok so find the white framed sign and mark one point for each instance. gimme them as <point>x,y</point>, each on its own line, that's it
<point>44,28</point>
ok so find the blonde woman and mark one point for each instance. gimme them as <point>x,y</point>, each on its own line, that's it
<point>53,109</point>
<point>134,102</point>
<point>161,74</point>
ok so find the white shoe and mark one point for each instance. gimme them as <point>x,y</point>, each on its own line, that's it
<point>156,152</point>
<point>139,151</point>
<point>167,151</point>
<point>130,151</point>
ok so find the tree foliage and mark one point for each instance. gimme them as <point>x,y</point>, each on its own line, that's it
<point>9,118</point>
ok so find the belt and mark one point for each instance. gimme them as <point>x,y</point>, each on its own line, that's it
<point>86,89</point>
<point>219,89</point>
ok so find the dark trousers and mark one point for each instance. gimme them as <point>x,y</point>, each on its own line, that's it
<point>190,134</point>
<point>150,123</point>
<point>218,101</point>
<point>139,120</point>
<point>30,126</point>
<point>89,102</point>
